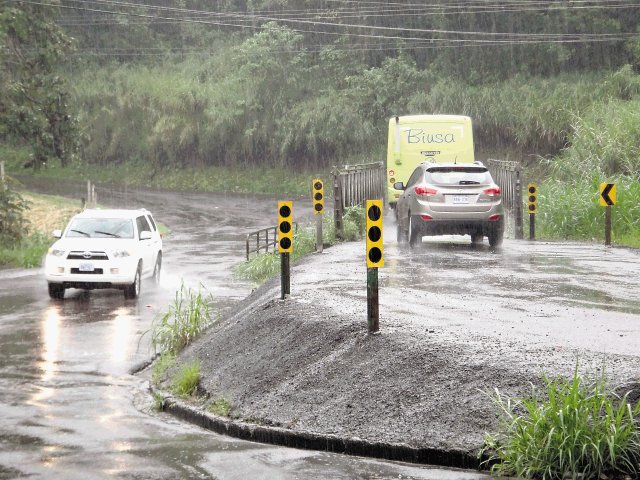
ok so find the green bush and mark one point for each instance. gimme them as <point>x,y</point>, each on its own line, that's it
<point>13,225</point>
<point>579,431</point>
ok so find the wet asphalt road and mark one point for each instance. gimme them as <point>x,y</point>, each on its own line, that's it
<point>69,409</point>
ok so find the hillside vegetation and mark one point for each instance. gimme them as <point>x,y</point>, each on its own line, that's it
<point>173,88</point>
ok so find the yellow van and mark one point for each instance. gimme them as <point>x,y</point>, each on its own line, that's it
<point>414,139</point>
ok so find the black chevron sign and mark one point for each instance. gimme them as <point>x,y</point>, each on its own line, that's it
<point>607,194</point>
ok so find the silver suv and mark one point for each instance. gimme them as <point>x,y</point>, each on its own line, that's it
<point>450,199</point>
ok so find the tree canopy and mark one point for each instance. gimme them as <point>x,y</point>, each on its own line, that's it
<point>34,105</point>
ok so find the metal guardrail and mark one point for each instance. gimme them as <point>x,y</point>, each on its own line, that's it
<point>353,184</point>
<point>263,242</point>
<point>508,175</point>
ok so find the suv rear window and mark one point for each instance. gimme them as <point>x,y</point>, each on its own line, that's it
<point>458,176</point>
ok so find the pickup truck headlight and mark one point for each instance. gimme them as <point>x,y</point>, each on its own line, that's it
<point>120,253</point>
<point>55,252</point>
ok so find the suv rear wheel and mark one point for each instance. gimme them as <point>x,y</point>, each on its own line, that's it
<point>495,235</point>
<point>415,235</point>
<point>403,234</point>
<point>476,238</point>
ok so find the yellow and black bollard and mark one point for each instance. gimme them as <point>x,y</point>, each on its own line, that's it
<point>285,245</point>
<point>532,188</point>
<point>318,209</point>
<point>375,259</point>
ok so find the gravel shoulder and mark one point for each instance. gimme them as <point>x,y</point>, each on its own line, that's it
<point>307,364</point>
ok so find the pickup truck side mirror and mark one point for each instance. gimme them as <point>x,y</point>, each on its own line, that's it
<point>399,186</point>
<point>56,234</point>
<point>145,235</point>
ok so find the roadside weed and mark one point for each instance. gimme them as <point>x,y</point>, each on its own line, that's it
<point>188,315</point>
<point>580,431</point>
<point>354,223</point>
<point>221,407</point>
<point>158,402</point>
<point>185,381</point>
<point>259,268</point>
<point>161,365</point>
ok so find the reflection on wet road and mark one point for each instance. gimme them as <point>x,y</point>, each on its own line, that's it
<point>70,410</point>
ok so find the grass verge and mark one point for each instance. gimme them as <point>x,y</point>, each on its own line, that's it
<point>272,180</point>
<point>580,430</point>
<point>264,266</point>
<point>44,214</point>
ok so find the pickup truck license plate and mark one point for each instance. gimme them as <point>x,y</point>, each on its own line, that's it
<point>460,199</point>
<point>86,267</point>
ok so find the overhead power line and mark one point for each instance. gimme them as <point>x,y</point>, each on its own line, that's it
<point>434,40</point>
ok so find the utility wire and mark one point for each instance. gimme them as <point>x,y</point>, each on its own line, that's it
<point>525,38</point>
<point>340,25</point>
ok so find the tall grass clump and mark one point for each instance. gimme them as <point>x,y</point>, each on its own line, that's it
<point>605,140</point>
<point>188,315</point>
<point>571,210</point>
<point>185,381</point>
<point>580,431</point>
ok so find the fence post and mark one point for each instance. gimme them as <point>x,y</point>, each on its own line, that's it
<point>337,203</point>
<point>518,204</point>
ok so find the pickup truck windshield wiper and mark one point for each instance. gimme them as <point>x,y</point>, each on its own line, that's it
<point>107,233</point>
<point>81,232</point>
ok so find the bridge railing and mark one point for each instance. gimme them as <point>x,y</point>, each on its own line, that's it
<point>352,185</point>
<point>263,239</point>
<point>508,175</point>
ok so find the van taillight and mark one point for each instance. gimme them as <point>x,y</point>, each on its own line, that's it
<point>425,191</point>
<point>494,218</point>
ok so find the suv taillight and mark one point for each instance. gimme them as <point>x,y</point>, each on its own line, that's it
<point>425,191</point>
<point>493,191</point>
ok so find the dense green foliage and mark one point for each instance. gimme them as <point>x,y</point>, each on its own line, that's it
<point>579,431</point>
<point>174,93</point>
<point>34,104</point>
<point>166,117</point>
